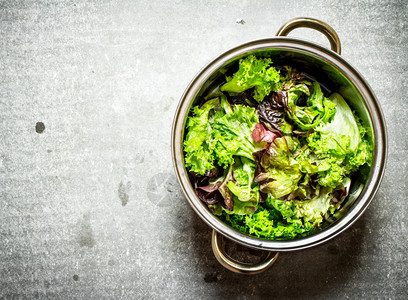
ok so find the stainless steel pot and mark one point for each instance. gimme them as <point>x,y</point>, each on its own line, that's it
<point>334,73</point>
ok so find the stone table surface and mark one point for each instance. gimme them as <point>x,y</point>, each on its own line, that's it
<point>90,205</point>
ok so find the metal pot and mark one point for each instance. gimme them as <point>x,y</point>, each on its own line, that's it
<point>333,73</point>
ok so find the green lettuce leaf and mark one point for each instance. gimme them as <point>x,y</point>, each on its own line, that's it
<point>236,221</point>
<point>364,151</point>
<point>318,109</point>
<point>253,72</point>
<point>246,207</point>
<point>283,181</point>
<point>216,132</point>
<point>198,150</point>
<point>245,193</point>
<point>341,146</point>
<point>339,137</point>
<point>263,224</point>
<point>281,173</point>
<point>313,210</point>
<point>331,172</point>
<point>285,208</point>
<point>231,135</point>
<point>243,173</point>
<point>260,224</point>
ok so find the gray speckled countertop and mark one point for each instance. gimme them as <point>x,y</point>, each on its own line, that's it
<point>90,206</point>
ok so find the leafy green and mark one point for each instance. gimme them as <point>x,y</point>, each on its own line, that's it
<point>363,154</point>
<point>253,72</point>
<point>246,207</point>
<point>285,208</point>
<point>276,221</point>
<point>197,146</point>
<point>216,132</point>
<point>280,175</point>
<point>231,134</point>
<point>313,210</point>
<point>245,193</point>
<point>243,172</point>
<point>333,173</point>
<point>318,109</point>
<point>240,195</point>
<point>341,146</point>
<point>228,202</point>
<point>341,136</point>
<point>280,168</point>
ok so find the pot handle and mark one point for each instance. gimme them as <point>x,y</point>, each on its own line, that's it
<point>238,267</point>
<point>315,24</point>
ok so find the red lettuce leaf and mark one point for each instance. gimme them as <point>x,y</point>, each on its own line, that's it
<point>261,134</point>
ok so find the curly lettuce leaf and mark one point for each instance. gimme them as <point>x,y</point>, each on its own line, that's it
<point>283,181</point>
<point>318,109</point>
<point>313,210</point>
<point>340,145</point>
<point>320,207</point>
<point>253,73</point>
<point>262,224</point>
<point>231,135</point>
<point>216,132</point>
<point>198,150</point>
<point>284,219</point>
<point>332,172</point>
<point>236,221</point>
<point>246,207</point>
<point>243,173</point>
<point>285,208</point>
<point>281,174</point>
<point>244,193</point>
<point>240,208</point>
<point>339,137</point>
<point>363,155</point>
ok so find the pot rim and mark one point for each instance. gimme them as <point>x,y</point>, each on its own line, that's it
<point>376,118</point>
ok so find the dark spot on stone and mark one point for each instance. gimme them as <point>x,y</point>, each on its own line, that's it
<point>240,21</point>
<point>86,237</point>
<point>212,277</point>
<point>39,127</point>
<point>111,262</point>
<point>139,159</point>
<point>123,192</point>
<point>49,151</point>
<point>75,277</point>
<point>46,284</point>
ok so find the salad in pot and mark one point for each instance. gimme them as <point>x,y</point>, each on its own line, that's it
<point>271,154</point>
